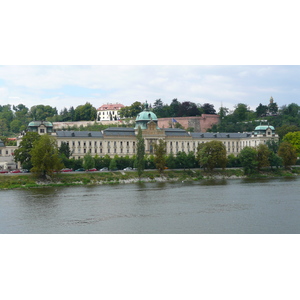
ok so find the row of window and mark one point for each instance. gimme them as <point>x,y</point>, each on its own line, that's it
<point>108,113</point>
<point>90,143</point>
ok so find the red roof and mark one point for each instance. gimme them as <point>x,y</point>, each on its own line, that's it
<point>116,106</point>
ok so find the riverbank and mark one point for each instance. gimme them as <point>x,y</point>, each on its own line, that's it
<point>122,177</point>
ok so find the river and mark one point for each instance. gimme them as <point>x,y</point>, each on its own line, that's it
<point>237,206</point>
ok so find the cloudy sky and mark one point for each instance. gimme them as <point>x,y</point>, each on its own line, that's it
<point>65,86</point>
<point>66,56</point>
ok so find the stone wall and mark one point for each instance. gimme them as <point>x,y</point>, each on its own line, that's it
<point>200,124</point>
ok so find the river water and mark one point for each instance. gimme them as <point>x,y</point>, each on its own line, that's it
<point>210,206</point>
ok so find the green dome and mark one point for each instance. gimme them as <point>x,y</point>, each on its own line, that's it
<point>146,116</point>
<point>263,128</point>
<point>38,123</point>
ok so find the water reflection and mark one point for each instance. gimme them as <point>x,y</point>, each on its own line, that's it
<point>210,182</point>
<point>208,206</point>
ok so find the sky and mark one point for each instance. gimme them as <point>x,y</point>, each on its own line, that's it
<point>72,85</point>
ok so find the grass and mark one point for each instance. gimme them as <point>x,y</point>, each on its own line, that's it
<point>67,179</point>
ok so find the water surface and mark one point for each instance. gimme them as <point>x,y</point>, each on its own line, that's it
<point>216,206</point>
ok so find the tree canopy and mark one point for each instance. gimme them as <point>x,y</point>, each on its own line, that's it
<point>45,156</point>
<point>211,155</point>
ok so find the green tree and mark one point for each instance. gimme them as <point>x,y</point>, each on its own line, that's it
<point>181,160</point>
<point>113,165</point>
<point>23,153</point>
<point>288,154</point>
<point>211,155</point>
<point>208,108</point>
<point>240,112</point>
<point>275,160</point>
<point>85,112</point>
<point>263,154</point>
<point>45,157</point>
<point>88,161</point>
<point>284,129</point>
<point>248,159</point>
<point>273,145</point>
<point>15,126</point>
<point>160,156</point>
<point>174,108</point>
<point>135,108</point>
<point>294,139</point>
<point>65,150</point>
<point>140,153</point>
<point>188,109</point>
<point>42,112</point>
<point>261,110</point>
<point>171,161</point>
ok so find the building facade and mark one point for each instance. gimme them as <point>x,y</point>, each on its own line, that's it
<point>7,161</point>
<point>122,141</point>
<point>109,112</point>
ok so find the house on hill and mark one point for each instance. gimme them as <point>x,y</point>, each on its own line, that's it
<point>109,112</point>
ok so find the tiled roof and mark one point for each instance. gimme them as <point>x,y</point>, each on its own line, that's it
<point>116,106</point>
<point>62,133</point>
<point>119,131</point>
<point>175,132</point>
<point>211,135</point>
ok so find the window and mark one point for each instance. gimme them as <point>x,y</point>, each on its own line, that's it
<point>42,130</point>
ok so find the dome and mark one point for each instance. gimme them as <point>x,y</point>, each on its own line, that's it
<point>146,116</point>
<point>263,128</point>
<point>38,123</point>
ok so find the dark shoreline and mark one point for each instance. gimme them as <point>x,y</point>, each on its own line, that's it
<point>25,181</point>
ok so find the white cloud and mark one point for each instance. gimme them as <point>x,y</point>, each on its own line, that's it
<point>126,84</point>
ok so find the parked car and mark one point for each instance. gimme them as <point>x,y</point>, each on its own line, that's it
<point>25,171</point>
<point>128,169</point>
<point>15,171</point>
<point>104,169</point>
<point>80,170</point>
<point>66,170</point>
<point>3,171</point>
<point>92,170</point>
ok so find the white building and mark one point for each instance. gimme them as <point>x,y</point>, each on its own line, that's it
<point>122,141</point>
<point>7,161</point>
<point>109,112</point>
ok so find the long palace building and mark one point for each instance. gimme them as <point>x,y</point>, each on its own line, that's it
<point>122,141</point>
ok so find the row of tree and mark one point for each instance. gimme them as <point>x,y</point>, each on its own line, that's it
<point>14,119</point>
<point>285,119</point>
<point>163,110</point>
